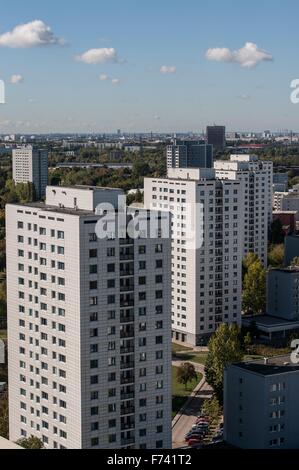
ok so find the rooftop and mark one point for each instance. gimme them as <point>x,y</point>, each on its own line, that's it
<point>61,210</point>
<point>85,188</point>
<point>288,270</point>
<point>269,366</point>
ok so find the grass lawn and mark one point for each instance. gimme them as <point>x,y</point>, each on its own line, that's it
<point>179,393</point>
<point>177,347</point>
<point>252,358</point>
<point>199,358</point>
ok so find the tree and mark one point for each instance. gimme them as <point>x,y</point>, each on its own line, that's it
<point>224,349</point>
<point>31,443</point>
<point>276,233</point>
<point>295,262</point>
<point>247,341</point>
<point>4,431</point>
<point>141,168</point>
<point>250,259</point>
<point>186,373</point>
<point>212,409</point>
<point>276,256</point>
<point>254,289</point>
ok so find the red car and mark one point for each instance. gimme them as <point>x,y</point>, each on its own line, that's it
<point>202,421</point>
<point>193,442</point>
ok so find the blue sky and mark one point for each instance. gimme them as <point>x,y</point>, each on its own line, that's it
<point>58,92</point>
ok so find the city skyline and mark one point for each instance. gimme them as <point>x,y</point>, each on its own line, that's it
<point>136,67</point>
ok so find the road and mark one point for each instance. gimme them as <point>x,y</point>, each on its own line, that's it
<point>183,422</point>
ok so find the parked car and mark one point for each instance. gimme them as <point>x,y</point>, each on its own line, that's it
<point>202,420</point>
<point>193,442</point>
<point>201,425</point>
<point>194,435</point>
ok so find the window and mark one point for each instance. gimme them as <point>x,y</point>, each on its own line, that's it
<point>93,253</point>
<point>93,301</point>
<point>110,252</point>
<point>93,285</point>
<point>142,250</point>
<point>93,237</point>
<point>60,235</point>
<point>93,269</point>
<point>111,268</point>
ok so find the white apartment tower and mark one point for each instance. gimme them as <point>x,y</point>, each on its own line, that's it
<point>89,326</point>
<point>257,177</point>
<point>30,165</point>
<point>206,278</point>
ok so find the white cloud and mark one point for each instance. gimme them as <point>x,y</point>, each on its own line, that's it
<point>244,97</point>
<point>104,77</point>
<point>15,79</point>
<point>115,81</point>
<point>98,56</point>
<point>248,56</point>
<point>33,34</point>
<point>168,69</point>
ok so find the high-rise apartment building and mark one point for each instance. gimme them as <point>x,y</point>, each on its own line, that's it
<point>216,137</point>
<point>189,154</point>
<point>257,178</point>
<point>206,277</point>
<point>89,325</point>
<point>261,409</point>
<point>30,165</point>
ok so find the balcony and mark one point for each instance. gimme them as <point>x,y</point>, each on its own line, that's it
<point>127,396</point>
<point>128,410</point>
<point>126,273</point>
<point>127,380</point>
<point>127,442</point>
<point>126,241</point>
<point>127,318</point>
<point>127,334</point>
<point>129,288</point>
<point>127,365</point>
<point>126,303</point>
<point>127,426</point>
<point>127,349</point>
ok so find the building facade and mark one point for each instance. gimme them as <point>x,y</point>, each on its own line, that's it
<point>216,137</point>
<point>189,154</point>
<point>89,325</point>
<point>30,165</point>
<point>291,248</point>
<point>260,404</point>
<point>278,197</point>
<point>283,293</point>
<point>280,182</point>
<point>206,278</point>
<point>257,178</point>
